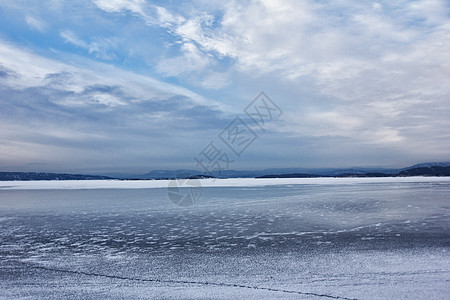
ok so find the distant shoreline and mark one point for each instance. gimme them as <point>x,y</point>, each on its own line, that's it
<point>425,169</point>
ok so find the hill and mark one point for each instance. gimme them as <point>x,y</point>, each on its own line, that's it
<point>426,171</point>
<point>28,176</point>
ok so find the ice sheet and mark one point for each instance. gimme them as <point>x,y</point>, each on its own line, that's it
<point>367,240</point>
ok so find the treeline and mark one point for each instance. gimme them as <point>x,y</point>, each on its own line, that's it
<point>28,176</point>
<point>420,171</point>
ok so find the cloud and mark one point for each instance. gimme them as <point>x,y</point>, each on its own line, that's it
<point>134,6</point>
<point>153,15</point>
<point>65,109</point>
<point>5,72</point>
<point>35,23</point>
<point>189,61</point>
<point>32,70</point>
<point>215,80</point>
<point>358,81</point>
<point>69,37</point>
<point>101,47</point>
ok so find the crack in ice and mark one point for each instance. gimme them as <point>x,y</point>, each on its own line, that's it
<point>222,284</point>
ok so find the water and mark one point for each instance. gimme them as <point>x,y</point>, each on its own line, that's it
<point>364,241</point>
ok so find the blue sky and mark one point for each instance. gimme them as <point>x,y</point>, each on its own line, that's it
<point>131,85</point>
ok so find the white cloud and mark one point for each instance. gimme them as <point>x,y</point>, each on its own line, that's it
<point>434,12</point>
<point>33,70</point>
<point>215,80</point>
<point>373,73</point>
<point>191,60</point>
<point>153,15</point>
<point>377,61</point>
<point>71,38</point>
<point>101,47</point>
<point>87,115</point>
<point>134,6</point>
<point>167,19</point>
<point>36,23</point>
<point>376,5</point>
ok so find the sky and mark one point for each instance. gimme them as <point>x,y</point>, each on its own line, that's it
<point>131,86</point>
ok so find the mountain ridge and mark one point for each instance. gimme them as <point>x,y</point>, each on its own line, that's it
<point>422,169</point>
<point>29,176</point>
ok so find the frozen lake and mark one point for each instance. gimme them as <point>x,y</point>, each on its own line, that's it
<point>349,238</point>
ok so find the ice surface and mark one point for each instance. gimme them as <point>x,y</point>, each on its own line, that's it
<point>347,238</point>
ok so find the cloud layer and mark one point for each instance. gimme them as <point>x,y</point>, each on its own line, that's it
<point>129,85</point>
